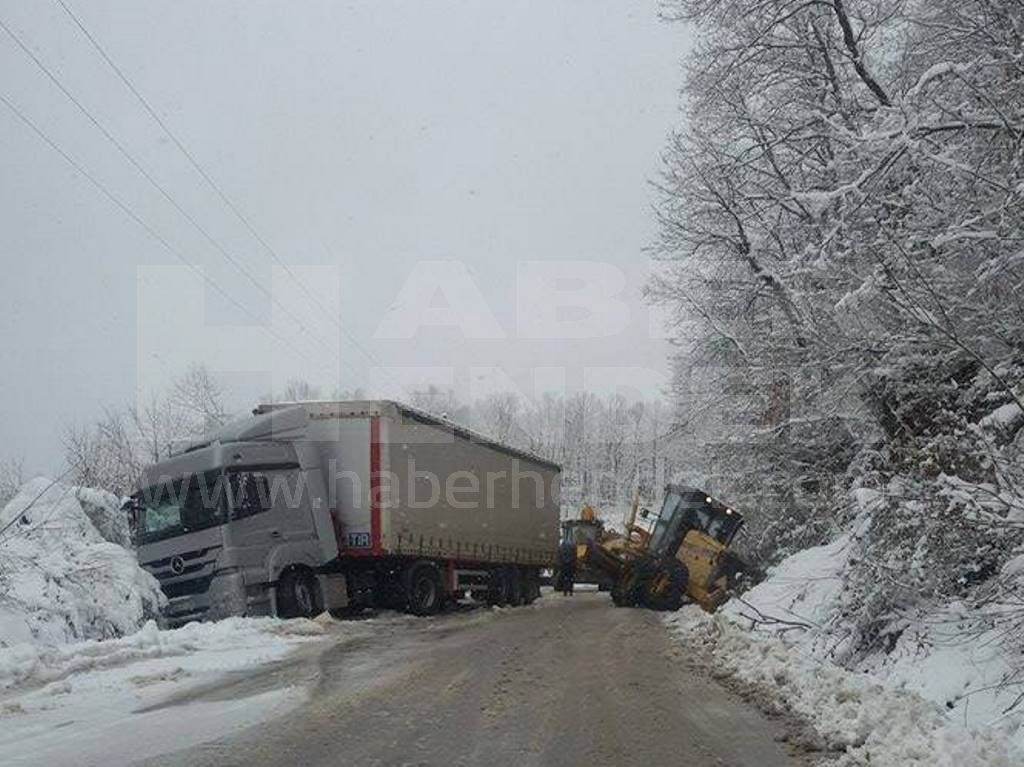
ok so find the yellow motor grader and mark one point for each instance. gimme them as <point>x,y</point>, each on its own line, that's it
<point>681,553</point>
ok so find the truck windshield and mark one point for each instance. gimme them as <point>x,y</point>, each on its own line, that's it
<point>178,507</point>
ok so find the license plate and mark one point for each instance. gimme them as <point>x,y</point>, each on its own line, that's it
<point>359,540</point>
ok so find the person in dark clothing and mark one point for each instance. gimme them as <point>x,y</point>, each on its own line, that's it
<point>566,567</point>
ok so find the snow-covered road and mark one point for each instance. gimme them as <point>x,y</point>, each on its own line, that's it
<point>104,703</point>
<point>566,681</point>
<point>556,683</point>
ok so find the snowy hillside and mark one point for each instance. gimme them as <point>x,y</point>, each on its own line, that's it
<point>65,574</point>
<point>861,718</point>
<point>947,666</point>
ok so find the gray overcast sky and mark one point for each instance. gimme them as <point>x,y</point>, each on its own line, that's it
<point>430,170</point>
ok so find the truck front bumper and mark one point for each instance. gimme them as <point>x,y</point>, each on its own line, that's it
<point>226,596</point>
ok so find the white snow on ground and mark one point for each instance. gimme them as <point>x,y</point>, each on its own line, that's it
<point>86,703</point>
<point>80,658</point>
<point>935,697</point>
<point>803,589</point>
<point>959,657</point>
<point>60,578</point>
<point>263,639</point>
<point>867,721</point>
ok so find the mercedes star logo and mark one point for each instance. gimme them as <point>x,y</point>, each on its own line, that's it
<point>177,565</point>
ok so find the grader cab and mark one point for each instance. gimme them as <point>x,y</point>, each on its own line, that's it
<point>681,553</point>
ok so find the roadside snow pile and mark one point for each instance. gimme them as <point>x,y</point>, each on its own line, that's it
<point>252,641</point>
<point>801,592</point>
<point>855,715</point>
<point>960,651</point>
<point>62,579</point>
<point>944,671</point>
<point>104,511</point>
<point>107,702</point>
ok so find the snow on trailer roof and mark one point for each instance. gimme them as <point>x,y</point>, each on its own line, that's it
<point>363,408</point>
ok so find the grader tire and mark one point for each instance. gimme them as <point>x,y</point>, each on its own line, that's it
<point>665,586</point>
<point>624,590</point>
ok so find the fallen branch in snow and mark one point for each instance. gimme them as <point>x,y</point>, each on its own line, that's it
<point>21,513</point>
<point>769,620</point>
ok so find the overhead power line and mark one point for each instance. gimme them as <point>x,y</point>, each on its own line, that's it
<point>156,185</point>
<point>144,225</point>
<point>211,182</point>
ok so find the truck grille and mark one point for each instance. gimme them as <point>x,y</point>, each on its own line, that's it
<point>194,577</point>
<point>186,556</point>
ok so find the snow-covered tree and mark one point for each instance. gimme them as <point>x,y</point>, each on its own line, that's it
<point>12,476</point>
<point>842,241</point>
<point>111,452</point>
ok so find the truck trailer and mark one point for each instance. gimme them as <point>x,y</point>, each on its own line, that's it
<point>307,506</point>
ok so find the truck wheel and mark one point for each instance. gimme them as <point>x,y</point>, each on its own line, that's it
<point>666,587</point>
<point>298,595</point>
<point>423,590</point>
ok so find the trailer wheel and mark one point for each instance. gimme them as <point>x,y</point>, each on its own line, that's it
<point>423,590</point>
<point>496,588</point>
<point>513,586</point>
<point>531,586</point>
<point>298,595</point>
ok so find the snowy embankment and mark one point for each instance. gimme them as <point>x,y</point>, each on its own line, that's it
<point>118,701</point>
<point>941,691</point>
<point>238,641</point>
<point>65,571</point>
<point>863,718</point>
<point>84,670</point>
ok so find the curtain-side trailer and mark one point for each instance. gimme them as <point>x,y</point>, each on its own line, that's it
<point>316,505</point>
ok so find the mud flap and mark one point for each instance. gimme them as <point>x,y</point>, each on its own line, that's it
<point>334,589</point>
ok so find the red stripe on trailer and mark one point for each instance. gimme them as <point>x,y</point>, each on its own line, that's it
<point>375,542</point>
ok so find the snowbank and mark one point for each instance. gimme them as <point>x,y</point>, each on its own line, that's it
<point>104,511</point>
<point>802,591</point>
<point>258,639</point>
<point>61,579</point>
<point>949,667</point>
<point>105,702</point>
<point>853,714</point>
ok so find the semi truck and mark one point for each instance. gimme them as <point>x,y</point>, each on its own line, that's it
<point>312,506</point>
